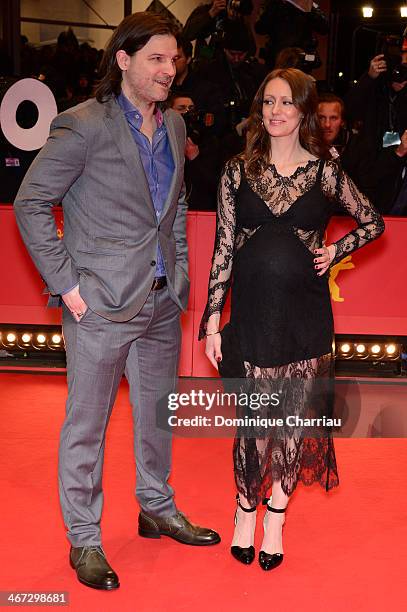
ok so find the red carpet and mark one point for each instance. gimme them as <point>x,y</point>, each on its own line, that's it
<point>346,550</point>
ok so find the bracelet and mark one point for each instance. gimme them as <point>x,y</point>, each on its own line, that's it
<point>212,334</point>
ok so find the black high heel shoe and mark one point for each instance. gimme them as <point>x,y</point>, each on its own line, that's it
<point>244,555</point>
<point>270,561</point>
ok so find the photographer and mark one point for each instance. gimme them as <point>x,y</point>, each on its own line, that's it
<point>202,159</point>
<point>236,73</point>
<point>202,21</point>
<point>208,20</point>
<point>290,23</point>
<point>378,104</point>
<point>206,95</point>
<point>342,143</point>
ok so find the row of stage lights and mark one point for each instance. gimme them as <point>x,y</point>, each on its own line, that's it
<point>24,340</point>
<point>369,351</point>
<point>28,340</point>
<point>367,11</point>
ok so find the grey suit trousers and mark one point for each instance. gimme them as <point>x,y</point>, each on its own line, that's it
<point>99,351</point>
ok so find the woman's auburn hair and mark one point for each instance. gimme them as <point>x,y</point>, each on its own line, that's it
<point>257,152</point>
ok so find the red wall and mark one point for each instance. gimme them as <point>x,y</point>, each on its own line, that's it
<point>374,290</point>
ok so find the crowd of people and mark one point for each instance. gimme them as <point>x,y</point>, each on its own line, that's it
<point>218,73</point>
<point>366,131</point>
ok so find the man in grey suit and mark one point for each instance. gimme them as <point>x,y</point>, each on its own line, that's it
<point>116,164</point>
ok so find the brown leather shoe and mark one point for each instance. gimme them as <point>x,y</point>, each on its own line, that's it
<point>177,527</point>
<point>92,569</point>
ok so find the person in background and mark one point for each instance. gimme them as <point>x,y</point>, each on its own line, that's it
<point>181,102</point>
<point>331,110</point>
<point>238,75</point>
<point>340,142</point>
<point>202,159</point>
<point>206,95</point>
<point>207,24</point>
<point>295,57</point>
<point>290,57</point>
<point>290,23</point>
<point>201,23</point>
<point>378,105</point>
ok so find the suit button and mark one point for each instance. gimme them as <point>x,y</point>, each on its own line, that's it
<point>158,228</point>
<point>153,263</point>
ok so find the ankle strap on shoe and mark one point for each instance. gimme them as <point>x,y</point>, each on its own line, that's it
<point>271,509</point>
<point>242,507</point>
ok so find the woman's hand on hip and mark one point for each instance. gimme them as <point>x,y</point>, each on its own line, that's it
<point>323,259</point>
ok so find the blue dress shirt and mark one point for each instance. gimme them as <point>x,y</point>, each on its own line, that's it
<point>157,160</point>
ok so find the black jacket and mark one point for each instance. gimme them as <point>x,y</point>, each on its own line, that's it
<point>200,26</point>
<point>238,85</point>
<point>376,108</point>
<point>288,26</point>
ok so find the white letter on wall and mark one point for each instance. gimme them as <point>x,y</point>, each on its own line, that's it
<point>41,95</point>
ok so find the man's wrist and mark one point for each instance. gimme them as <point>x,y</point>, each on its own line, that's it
<point>68,290</point>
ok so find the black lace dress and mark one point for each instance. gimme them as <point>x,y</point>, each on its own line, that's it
<point>281,323</point>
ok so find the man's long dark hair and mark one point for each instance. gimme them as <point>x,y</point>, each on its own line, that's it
<point>130,35</point>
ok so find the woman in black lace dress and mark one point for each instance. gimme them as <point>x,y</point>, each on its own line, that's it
<point>275,202</point>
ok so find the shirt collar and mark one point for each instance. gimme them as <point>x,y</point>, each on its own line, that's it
<point>132,113</point>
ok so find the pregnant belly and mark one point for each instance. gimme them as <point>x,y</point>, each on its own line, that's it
<point>280,306</point>
<point>275,258</point>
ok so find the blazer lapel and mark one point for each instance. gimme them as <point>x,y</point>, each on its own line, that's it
<point>172,137</point>
<point>121,134</point>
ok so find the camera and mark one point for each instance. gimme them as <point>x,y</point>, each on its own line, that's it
<point>309,61</point>
<point>235,10</point>
<point>398,73</point>
<point>239,8</point>
<point>390,45</point>
<point>235,111</point>
<point>197,123</point>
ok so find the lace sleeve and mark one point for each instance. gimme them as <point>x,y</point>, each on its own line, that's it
<point>219,278</point>
<point>340,187</point>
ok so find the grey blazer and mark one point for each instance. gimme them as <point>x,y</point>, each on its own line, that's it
<point>91,165</point>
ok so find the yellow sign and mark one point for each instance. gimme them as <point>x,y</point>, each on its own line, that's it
<point>344,264</point>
